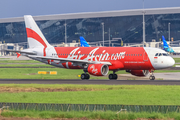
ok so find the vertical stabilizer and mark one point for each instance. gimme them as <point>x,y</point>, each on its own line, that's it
<point>165,43</point>
<point>34,35</point>
<point>83,42</point>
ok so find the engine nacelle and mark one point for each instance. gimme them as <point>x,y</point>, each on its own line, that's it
<point>138,72</point>
<point>97,69</point>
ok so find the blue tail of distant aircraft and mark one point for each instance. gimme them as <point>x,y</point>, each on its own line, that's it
<point>83,42</point>
<point>164,42</point>
<point>166,47</point>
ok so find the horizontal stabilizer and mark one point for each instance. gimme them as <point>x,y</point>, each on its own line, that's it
<point>19,51</point>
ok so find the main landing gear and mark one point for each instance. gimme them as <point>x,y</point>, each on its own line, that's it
<point>152,77</point>
<point>113,76</point>
<point>85,76</point>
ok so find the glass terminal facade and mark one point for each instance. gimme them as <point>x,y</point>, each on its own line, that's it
<point>129,28</point>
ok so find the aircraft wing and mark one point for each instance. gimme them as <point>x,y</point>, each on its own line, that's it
<point>69,60</point>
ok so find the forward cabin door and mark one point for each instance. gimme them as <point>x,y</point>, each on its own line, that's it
<point>145,56</point>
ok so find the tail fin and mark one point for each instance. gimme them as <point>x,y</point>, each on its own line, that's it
<point>34,34</point>
<point>165,45</point>
<point>83,42</point>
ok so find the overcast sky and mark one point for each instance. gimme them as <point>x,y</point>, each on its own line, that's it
<point>19,8</point>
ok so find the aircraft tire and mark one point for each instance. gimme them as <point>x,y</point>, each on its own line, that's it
<point>115,76</point>
<point>87,76</point>
<point>152,77</point>
<point>111,76</point>
<point>83,76</point>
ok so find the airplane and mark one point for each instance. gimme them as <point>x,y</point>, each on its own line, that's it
<point>83,42</point>
<point>97,61</point>
<point>174,50</point>
<point>166,47</point>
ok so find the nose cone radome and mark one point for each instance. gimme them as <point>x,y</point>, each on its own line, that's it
<point>171,62</point>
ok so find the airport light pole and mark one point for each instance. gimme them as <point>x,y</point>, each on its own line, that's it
<point>109,37</point>
<point>169,32</point>
<point>103,32</point>
<point>144,38</point>
<point>65,33</point>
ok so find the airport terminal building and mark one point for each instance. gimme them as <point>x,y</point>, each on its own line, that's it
<point>93,26</point>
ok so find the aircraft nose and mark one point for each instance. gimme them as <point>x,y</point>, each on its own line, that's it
<point>171,62</point>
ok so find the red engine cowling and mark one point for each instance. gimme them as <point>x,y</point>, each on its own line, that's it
<point>98,69</point>
<point>139,72</point>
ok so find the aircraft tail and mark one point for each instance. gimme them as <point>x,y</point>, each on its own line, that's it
<point>34,35</point>
<point>165,45</point>
<point>83,42</point>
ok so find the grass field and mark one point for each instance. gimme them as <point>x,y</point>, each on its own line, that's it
<point>100,94</point>
<point>177,60</point>
<point>84,94</point>
<point>25,65</point>
<point>91,115</point>
<point>31,73</point>
<point>19,61</point>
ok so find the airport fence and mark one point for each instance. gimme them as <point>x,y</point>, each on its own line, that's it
<point>90,107</point>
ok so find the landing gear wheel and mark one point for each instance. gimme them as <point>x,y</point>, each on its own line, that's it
<point>85,76</point>
<point>115,76</point>
<point>112,76</point>
<point>152,77</point>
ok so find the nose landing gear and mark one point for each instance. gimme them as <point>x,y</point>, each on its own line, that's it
<point>152,77</point>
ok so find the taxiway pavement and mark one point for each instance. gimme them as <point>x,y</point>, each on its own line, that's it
<point>99,82</point>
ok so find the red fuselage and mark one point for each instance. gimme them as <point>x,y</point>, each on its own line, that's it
<point>121,57</point>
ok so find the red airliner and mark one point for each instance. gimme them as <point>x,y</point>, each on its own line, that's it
<point>97,61</point>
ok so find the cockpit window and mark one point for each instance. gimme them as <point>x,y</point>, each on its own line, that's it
<point>165,54</point>
<point>156,54</point>
<point>161,54</point>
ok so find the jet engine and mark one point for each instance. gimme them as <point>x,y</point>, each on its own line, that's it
<point>97,69</point>
<point>138,72</point>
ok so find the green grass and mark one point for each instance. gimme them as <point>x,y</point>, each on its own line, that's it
<point>120,94</point>
<point>165,71</point>
<point>25,65</point>
<point>109,115</point>
<point>31,73</point>
<point>4,58</point>
<point>177,60</point>
<point>19,61</point>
